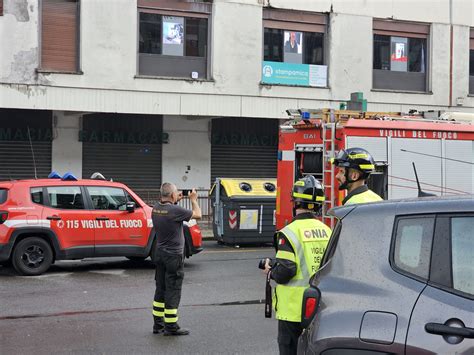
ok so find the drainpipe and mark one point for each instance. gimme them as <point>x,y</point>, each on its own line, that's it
<point>451,53</point>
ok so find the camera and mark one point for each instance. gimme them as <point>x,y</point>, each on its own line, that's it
<point>261,263</point>
<point>186,192</point>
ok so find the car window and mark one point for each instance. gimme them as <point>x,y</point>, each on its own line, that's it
<point>107,198</point>
<point>462,253</point>
<point>413,241</point>
<point>37,195</point>
<point>3,195</point>
<point>332,245</point>
<point>65,197</point>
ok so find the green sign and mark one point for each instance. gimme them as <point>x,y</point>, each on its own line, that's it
<point>123,137</point>
<point>21,134</point>
<point>251,139</point>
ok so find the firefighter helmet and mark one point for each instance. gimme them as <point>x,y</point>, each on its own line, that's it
<point>356,158</point>
<point>308,193</point>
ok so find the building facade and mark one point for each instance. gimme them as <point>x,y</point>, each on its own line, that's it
<point>146,91</point>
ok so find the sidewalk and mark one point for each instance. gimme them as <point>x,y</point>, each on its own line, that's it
<point>206,229</point>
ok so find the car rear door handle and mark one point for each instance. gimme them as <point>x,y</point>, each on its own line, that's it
<point>102,218</point>
<point>442,329</point>
<point>53,218</point>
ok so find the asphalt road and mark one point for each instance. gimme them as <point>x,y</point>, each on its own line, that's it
<point>103,306</point>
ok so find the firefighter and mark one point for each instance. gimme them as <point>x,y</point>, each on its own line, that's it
<point>168,256</point>
<point>355,166</point>
<point>300,247</point>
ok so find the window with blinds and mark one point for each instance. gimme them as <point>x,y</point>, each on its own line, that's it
<point>60,35</point>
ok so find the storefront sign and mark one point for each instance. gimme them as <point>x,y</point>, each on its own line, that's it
<point>244,139</point>
<point>294,74</point>
<point>21,134</point>
<point>123,137</point>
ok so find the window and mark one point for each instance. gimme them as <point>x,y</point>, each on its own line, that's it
<point>413,240</point>
<point>471,62</point>
<point>65,197</point>
<point>60,35</point>
<point>293,50</point>
<point>173,42</point>
<point>107,198</point>
<point>400,56</point>
<point>37,195</point>
<point>462,254</point>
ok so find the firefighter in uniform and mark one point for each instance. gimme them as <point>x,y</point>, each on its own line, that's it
<point>168,256</point>
<point>300,247</point>
<point>355,166</point>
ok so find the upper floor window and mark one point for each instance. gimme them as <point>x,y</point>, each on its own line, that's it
<point>173,38</point>
<point>293,48</point>
<point>471,62</point>
<point>400,55</point>
<point>60,35</point>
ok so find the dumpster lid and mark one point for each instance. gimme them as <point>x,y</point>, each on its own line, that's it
<point>248,187</point>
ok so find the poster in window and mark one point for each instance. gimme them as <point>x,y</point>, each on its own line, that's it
<point>399,54</point>
<point>293,47</point>
<point>173,35</point>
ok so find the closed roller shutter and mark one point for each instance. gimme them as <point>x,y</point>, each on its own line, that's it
<point>59,35</point>
<point>124,148</point>
<point>16,157</point>
<point>244,147</point>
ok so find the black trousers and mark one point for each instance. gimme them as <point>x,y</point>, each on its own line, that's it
<point>169,276</point>
<point>288,334</point>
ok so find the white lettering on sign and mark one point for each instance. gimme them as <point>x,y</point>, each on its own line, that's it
<point>110,224</point>
<point>398,133</point>
<point>309,136</point>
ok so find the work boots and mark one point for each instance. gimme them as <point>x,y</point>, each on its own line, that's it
<point>159,325</point>
<point>175,330</point>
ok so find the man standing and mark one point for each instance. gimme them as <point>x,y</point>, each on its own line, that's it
<point>168,255</point>
<point>355,166</point>
<point>300,248</point>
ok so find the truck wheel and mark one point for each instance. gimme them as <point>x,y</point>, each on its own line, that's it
<point>32,256</point>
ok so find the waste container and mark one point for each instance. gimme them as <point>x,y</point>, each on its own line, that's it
<point>243,210</point>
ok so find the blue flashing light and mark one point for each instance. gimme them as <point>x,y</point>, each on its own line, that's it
<point>69,177</point>
<point>54,175</point>
<point>305,115</point>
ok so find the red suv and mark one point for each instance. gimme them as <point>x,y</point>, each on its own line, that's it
<point>64,218</point>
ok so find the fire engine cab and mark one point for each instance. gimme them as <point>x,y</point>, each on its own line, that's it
<point>441,149</point>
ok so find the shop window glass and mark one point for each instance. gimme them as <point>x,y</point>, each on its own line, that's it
<point>399,54</point>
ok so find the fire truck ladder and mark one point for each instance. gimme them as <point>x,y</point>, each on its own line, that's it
<point>329,147</point>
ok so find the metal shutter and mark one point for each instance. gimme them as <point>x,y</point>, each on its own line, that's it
<point>244,147</point>
<point>59,35</point>
<point>16,157</point>
<point>134,164</point>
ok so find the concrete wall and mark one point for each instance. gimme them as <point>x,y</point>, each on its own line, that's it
<point>109,59</point>
<point>187,156</point>
<point>66,152</point>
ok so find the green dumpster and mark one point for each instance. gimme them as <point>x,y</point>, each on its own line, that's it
<point>243,210</point>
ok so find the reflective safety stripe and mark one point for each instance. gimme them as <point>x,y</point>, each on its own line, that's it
<point>298,195</point>
<point>367,166</point>
<point>158,313</point>
<point>158,309</point>
<point>158,304</point>
<point>287,255</point>
<point>358,156</point>
<point>171,315</point>
<point>299,249</point>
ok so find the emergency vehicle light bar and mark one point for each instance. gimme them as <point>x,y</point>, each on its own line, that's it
<point>54,175</point>
<point>69,177</point>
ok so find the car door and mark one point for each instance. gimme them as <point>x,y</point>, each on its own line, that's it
<point>69,220</point>
<point>442,321</point>
<point>116,228</point>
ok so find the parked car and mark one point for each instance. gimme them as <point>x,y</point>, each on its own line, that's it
<point>397,278</point>
<point>45,220</point>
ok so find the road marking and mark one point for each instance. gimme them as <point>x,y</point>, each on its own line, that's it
<point>232,251</point>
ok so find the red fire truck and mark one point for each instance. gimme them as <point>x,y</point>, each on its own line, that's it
<point>442,151</point>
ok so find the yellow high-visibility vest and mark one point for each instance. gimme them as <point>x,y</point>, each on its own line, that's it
<point>364,197</point>
<point>309,239</point>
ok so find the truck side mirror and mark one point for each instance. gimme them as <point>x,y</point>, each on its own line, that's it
<point>130,207</point>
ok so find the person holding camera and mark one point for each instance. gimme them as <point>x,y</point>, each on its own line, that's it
<point>300,247</point>
<point>168,256</point>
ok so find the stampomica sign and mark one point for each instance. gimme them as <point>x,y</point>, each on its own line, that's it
<point>123,137</point>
